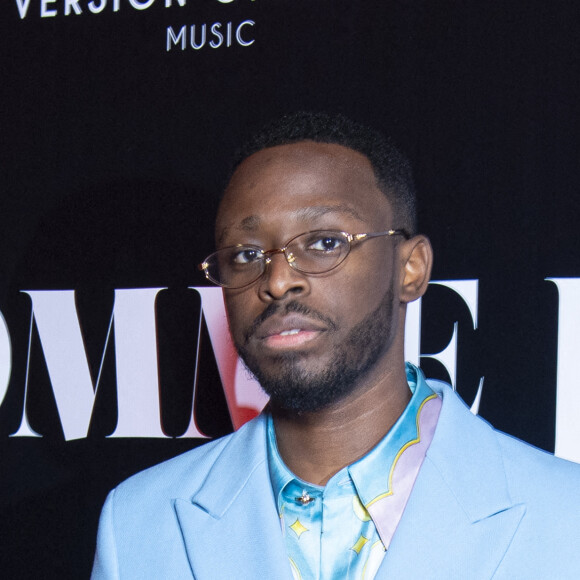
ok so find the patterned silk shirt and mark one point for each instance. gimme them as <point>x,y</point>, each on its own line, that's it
<point>344,529</point>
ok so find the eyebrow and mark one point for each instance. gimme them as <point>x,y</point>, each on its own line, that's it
<point>248,224</point>
<point>317,211</point>
<point>251,223</point>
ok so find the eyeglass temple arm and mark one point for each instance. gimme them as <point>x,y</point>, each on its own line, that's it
<point>368,236</point>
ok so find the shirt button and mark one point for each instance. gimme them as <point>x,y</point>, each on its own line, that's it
<point>305,498</point>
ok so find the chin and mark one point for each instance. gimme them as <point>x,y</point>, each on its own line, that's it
<point>293,388</point>
<point>304,382</point>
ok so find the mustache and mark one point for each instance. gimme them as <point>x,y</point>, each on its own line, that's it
<point>287,308</point>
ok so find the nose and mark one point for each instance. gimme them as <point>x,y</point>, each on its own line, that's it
<point>281,280</point>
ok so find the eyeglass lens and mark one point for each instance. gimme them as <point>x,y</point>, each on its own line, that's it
<point>312,253</point>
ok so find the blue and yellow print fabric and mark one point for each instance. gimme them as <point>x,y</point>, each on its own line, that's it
<point>334,536</point>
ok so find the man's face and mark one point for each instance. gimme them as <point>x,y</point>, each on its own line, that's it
<point>310,339</point>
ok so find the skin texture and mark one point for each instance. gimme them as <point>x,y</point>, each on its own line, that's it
<point>339,384</point>
<point>293,387</point>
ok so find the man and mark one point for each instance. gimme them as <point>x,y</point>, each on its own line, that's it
<point>358,468</point>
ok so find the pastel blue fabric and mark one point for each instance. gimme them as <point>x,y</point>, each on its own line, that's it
<point>328,531</point>
<point>483,506</point>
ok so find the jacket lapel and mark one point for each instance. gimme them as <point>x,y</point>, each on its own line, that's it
<point>230,527</point>
<point>460,519</point>
<point>458,523</point>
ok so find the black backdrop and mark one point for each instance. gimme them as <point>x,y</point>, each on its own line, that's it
<point>115,143</point>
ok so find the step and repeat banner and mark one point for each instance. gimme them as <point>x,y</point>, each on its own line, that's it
<point>117,124</point>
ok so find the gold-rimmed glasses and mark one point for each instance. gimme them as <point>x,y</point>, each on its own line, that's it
<point>313,252</point>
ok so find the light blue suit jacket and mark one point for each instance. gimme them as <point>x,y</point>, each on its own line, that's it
<point>484,505</point>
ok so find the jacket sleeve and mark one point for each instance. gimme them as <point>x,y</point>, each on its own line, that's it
<point>105,566</point>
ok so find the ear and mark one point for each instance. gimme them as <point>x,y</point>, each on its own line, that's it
<point>416,261</point>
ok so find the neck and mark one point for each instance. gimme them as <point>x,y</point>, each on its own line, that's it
<point>317,445</point>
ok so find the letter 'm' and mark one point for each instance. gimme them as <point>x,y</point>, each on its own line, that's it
<point>172,39</point>
<point>56,318</point>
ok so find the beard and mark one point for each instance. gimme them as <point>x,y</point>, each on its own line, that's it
<point>296,389</point>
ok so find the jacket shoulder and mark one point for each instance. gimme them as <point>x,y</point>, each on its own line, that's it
<point>532,476</point>
<point>184,474</point>
<point>538,471</point>
<point>139,536</point>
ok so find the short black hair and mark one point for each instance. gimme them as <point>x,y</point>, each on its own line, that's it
<point>392,169</point>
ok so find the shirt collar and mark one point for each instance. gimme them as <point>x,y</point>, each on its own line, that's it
<point>280,475</point>
<point>368,473</point>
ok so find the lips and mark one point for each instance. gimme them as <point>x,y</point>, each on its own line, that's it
<point>290,331</point>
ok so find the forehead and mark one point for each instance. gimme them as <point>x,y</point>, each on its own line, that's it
<point>302,183</point>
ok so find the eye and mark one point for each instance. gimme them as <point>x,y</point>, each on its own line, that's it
<point>326,243</point>
<point>245,256</point>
